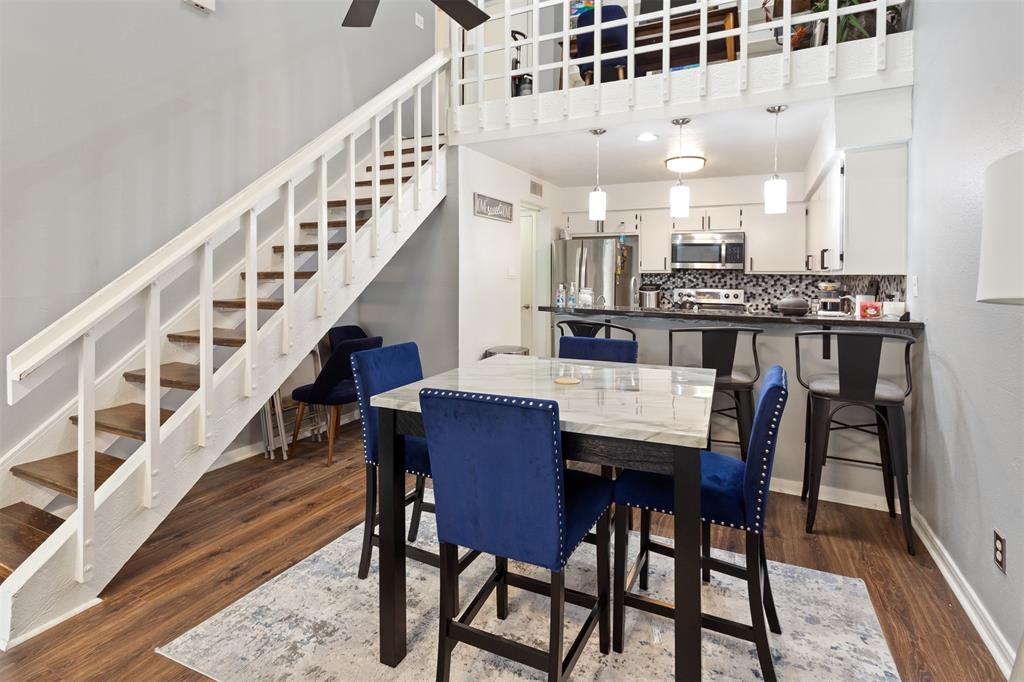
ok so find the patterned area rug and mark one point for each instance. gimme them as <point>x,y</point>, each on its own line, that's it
<point>318,621</point>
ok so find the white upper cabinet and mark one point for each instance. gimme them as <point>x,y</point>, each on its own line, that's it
<point>875,203</point>
<point>713,218</point>
<point>655,240</point>
<point>615,222</point>
<point>775,243</point>
<point>692,223</point>
<point>825,223</point>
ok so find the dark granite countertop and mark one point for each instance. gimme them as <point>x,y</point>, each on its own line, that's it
<point>726,316</point>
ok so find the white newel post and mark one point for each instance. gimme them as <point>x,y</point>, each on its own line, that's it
<point>152,389</point>
<point>205,342</point>
<point>86,455</point>
<point>251,301</point>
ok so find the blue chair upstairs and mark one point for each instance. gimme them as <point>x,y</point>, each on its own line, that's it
<point>607,350</point>
<point>734,494</point>
<point>488,454</point>
<point>333,387</point>
<point>612,39</point>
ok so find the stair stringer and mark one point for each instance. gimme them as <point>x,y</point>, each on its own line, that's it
<point>43,590</point>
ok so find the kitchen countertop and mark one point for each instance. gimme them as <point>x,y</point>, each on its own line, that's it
<point>729,316</point>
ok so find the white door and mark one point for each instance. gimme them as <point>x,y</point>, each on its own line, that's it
<point>775,243</point>
<point>527,229</point>
<point>655,240</point>
<point>825,223</point>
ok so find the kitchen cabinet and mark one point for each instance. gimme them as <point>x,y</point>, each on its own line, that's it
<point>655,240</point>
<point>710,218</point>
<point>875,209</point>
<point>775,243</point>
<point>825,223</point>
<point>615,222</point>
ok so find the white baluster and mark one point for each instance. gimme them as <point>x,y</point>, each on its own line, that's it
<point>744,42</point>
<point>456,72</point>
<point>289,267</point>
<point>321,236</point>
<point>880,32</point>
<point>598,47</point>
<point>480,35</point>
<point>666,70</point>
<point>350,208</point>
<point>833,29</point>
<point>436,120</point>
<point>630,56</point>
<point>507,78</point>
<point>703,68</point>
<point>787,43</point>
<point>152,391</point>
<point>396,211</point>
<point>251,293</point>
<point>375,185</point>
<point>86,455</point>
<point>536,60</point>
<point>417,138</point>
<point>205,342</point>
<point>565,59</point>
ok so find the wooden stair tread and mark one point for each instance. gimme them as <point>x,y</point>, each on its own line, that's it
<point>127,420</point>
<point>306,248</point>
<point>60,472</point>
<point>172,375</point>
<point>391,166</point>
<point>383,181</point>
<point>410,150</point>
<point>239,303</point>
<point>332,224</point>
<point>22,529</point>
<point>360,201</point>
<point>279,274</point>
<point>221,337</point>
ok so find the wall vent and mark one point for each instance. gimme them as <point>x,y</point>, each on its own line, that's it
<point>536,189</point>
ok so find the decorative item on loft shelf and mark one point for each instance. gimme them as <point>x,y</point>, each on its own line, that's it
<point>775,187</point>
<point>1000,276</point>
<point>597,202</point>
<point>489,207</point>
<point>679,195</point>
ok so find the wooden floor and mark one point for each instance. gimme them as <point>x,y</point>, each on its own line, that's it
<point>244,524</point>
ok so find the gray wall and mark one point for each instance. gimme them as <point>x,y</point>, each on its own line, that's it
<point>122,123</point>
<point>415,297</point>
<point>968,458</point>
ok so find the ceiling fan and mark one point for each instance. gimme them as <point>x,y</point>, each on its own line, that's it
<point>464,12</point>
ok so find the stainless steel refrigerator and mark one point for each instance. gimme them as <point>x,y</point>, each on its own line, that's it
<point>608,265</point>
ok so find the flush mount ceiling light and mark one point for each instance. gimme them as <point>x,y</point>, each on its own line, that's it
<point>646,137</point>
<point>679,195</point>
<point>598,200</point>
<point>775,187</point>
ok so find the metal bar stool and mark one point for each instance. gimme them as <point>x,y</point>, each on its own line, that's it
<point>591,329</point>
<point>718,352</point>
<point>857,384</point>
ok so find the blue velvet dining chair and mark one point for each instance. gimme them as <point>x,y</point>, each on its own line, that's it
<point>734,494</point>
<point>334,387</point>
<point>607,350</point>
<point>489,453</point>
<point>344,332</point>
<point>615,38</point>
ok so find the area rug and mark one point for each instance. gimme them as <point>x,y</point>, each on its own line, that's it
<point>318,621</point>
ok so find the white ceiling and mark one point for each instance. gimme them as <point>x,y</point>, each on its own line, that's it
<point>734,143</point>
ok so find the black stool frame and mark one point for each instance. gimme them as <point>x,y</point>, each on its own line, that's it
<point>591,329</point>
<point>718,352</point>
<point>858,363</point>
<point>455,628</point>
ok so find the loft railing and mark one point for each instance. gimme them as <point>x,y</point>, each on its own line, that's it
<point>36,359</point>
<point>482,62</point>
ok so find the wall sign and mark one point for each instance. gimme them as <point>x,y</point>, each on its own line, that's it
<point>489,207</point>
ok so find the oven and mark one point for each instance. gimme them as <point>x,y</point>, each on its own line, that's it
<point>708,251</point>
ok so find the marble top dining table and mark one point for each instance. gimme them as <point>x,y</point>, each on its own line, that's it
<point>626,416</point>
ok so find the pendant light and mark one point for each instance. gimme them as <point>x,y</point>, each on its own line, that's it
<point>598,200</point>
<point>679,195</point>
<point>775,187</point>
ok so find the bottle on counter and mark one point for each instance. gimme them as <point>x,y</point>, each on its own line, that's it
<point>560,296</point>
<point>572,295</point>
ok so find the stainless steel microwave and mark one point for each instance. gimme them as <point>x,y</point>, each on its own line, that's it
<point>708,250</point>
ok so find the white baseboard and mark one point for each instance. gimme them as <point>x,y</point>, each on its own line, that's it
<point>6,645</point>
<point>839,495</point>
<point>1000,648</point>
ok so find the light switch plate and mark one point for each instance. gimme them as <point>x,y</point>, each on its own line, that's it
<point>419,20</point>
<point>915,290</point>
<point>204,6</point>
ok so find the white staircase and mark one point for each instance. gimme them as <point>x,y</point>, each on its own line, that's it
<point>218,359</point>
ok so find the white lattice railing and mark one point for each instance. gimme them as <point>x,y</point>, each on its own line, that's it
<point>484,93</point>
<point>78,331</point>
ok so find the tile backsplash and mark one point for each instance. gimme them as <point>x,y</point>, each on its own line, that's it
<point>764,290</point>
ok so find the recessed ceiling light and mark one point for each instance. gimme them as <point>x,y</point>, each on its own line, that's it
<point>646,137</point>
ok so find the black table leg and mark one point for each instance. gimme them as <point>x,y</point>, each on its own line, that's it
<point>391,455</point>
<point>686,477</point>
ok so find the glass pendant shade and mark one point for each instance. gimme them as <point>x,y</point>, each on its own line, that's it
<point>597,204</point>
<point>775,195</point>
<point>679,201</point>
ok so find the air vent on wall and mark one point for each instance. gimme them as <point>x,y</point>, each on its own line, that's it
<point>536,189</point>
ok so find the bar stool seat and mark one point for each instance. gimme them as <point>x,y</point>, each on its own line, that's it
<point>886,392</point>
<point>738,379</point>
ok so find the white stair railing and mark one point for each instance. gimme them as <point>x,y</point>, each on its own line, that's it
<point>79,330</point>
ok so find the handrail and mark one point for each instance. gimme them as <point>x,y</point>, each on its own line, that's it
<point>30,355</point>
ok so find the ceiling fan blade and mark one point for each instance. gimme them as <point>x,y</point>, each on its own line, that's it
<point>464,12</point>
<point>360,13</point>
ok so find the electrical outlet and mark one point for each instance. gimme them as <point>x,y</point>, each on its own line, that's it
<point>999,550</point>
<point>419,20</point>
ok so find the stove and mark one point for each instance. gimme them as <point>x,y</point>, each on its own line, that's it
<point>724,300</point>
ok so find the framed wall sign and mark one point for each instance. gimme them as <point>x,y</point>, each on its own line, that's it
<point>489,207</point>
